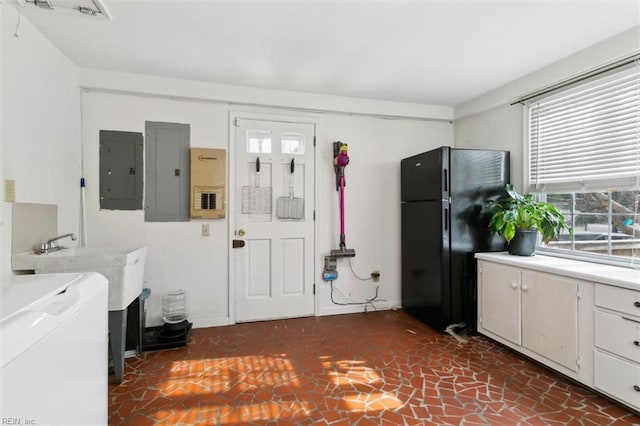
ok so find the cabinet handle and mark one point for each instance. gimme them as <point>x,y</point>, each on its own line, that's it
<point>636,342</point>
<point>636,304</point>
<point>636,388</point>
<point>514,285</point>
<point>524,288</point>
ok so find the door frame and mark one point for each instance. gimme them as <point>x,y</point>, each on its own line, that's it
<point>231,194</point>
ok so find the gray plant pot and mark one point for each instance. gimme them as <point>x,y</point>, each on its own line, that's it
<point>524,242</point>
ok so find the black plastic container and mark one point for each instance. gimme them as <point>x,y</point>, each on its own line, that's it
<point>166,336</point>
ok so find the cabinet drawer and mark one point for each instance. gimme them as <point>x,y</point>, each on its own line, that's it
<point>615,334</point>
<point>618,299</point>
<point>617,378</point>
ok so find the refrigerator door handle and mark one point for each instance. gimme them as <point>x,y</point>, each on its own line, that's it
<point>446,180</point>
<point>446,219</point>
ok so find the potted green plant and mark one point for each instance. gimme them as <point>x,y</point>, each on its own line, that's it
<point>519,218</point>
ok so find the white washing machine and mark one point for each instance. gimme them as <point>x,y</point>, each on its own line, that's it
<point>53,350</point>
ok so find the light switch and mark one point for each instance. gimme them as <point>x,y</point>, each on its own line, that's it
<point>205,229</point>
<point>9,190</point>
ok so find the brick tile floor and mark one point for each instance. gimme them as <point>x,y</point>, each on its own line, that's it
<point>379,368</point>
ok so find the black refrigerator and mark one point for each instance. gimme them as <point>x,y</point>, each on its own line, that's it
<point>442,194</point>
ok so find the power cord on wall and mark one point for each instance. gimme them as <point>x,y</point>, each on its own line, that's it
<point>354,273</point>
<point>368,302</point>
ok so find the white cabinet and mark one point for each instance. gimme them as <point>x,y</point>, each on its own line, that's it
<point>550,317</point>
<point>580,318</point>
<point>499,301</point>
<point>617,343</point>
<point>536,314</point>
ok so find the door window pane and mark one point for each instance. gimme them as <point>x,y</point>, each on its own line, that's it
<point>292,143</point>
<point>259,142</point>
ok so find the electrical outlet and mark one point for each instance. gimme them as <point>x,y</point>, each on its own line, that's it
<point>375,276</point>
<point>205,229</point>
<point>9,191</point>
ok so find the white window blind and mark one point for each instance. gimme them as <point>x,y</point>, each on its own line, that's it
<point>587,137</point>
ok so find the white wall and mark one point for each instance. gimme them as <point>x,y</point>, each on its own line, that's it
<point>40,124</point>
<point>490,122</point>
<point>4,272</point>
<point>41,152</point>
<point>148,85</point>
<point>372,201</point>
<point>498,128</point>
<point>179,257</point>
<point>41,104</point>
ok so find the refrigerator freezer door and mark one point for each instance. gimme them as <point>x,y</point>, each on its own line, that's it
<point>425,262</point>
<point>425,176</point>
<point>443,191</point>
<point>476,176</point>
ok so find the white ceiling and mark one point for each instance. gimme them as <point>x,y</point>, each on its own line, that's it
<point>432,52</point>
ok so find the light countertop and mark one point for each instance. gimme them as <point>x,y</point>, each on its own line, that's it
<point>587,271</point>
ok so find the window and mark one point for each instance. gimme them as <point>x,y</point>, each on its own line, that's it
<point>604,223</point>
<point>292,143</point>
<point>583,150</point>
<point>259,142</point>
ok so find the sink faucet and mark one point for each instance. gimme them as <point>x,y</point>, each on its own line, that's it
<point>52,244</point>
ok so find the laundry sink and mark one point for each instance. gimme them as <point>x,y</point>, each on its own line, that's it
<point>123,267</point>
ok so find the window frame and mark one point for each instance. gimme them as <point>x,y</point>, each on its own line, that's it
<point>628,262</point>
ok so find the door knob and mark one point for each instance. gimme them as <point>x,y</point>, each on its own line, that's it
<point>241,232</point>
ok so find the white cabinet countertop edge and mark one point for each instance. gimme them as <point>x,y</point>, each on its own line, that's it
<point>587,271</point>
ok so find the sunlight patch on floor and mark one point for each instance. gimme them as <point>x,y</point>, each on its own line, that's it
<point>350,372</point>
<point>227,374</point>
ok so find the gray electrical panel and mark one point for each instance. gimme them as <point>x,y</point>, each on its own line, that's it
<point>167,172</point>
<point>121,170</point>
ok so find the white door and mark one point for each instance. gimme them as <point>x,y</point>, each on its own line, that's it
<point>273,237</point>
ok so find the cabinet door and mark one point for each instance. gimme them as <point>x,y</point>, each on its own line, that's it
<point>499,300</point>
<point>550,317</point>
